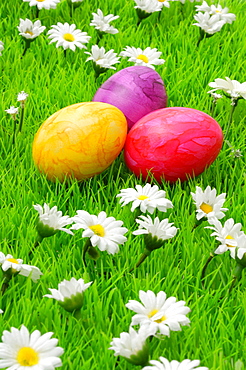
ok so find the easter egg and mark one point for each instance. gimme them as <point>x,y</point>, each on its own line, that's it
<point>80,140</point>
<point>135,90</point>
<point>173,143</point>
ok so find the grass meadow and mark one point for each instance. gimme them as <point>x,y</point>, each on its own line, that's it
<point>217,333</point>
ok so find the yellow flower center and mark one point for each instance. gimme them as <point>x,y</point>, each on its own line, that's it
<point>29,32</point>
<point>27,357</point>
<point>98,230</point>
<point>142,197</point>
<point>217,11</point>
<point>13,260</point>
<point>153,312</point>
<point>161,1</point>
<point>206,208</point>
<point>68,37</point>
<point>143,58</point>
<point>228,245</point>
<point>40,1</point>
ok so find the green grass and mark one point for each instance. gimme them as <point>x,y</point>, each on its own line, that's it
<point>217,332</point>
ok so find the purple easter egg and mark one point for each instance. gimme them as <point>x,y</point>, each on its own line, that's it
<point>135,90</point>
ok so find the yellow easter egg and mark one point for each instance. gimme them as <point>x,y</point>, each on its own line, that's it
<point>80,140</point>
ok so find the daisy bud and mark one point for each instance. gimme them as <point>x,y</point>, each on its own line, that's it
<point>141,357</point>
<point>51,221</point>
<point>70,294</point>
<point>45,231</point>
<point>152,242</point>
<point>73,303</point>
<point>74,3</point>
<point>155,231</point>
<point>133,346</point>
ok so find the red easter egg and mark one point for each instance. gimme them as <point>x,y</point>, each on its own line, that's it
<point>173,143</point>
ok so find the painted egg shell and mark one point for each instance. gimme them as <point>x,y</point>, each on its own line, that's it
<point>135,90</point>
<point>172,144</point>
<point>80,140</point>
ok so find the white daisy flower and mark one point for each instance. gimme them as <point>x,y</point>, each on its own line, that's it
<point>159,313</point>
<point>148,6</point>
<point>231,87</point>
<point>1,47</point>
<point>22,96</point>
<point>208,204</point>
<point>30,30</point>
<point>69,293</point>
<point>101,22</point>
<point>241,249</point>
<point>222,12</point>
<point>183,1</point>
<point>230,236</point>
<point>51,220</point>
<point>104,232</point>
<point>203,8</point>
<point>132,346</point>
<point>236,153</point>
<point>13,111</point>
<point>161,229</point>
<point>68,36</point>
<point>209,24</point>
<point>164,364</point>
<point>16,265</point>
<point>147,57</point>
<point>9,262</point>
<point>164,3</point>
<point>32,271</point>
<point>1,311</point>
<point>101,58</point>
<point>215,96</point>
<point>43,4</point>
<point>148,198</point>
<point>22,350</point>
<point>67,289</point>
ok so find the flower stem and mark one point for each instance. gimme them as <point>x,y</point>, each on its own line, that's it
<point>5,284</point>
<point>85,250</point>
<point>21,119</point>
<point>139,21</point>
<point>182,10</point>
<point>144,255</point>
<point>213,108</point>
<point>77,314</point>
<point>205,267</point>
<point>71,10</point>
<point>236,275</point>
<point>93,253</point>
<point>230,118</point>
<point>99,36</point>
<point>14,131</point>
<point>36,244</point>
<point>159,16</point>
<point>27,46</point>
<point>202,36</point>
